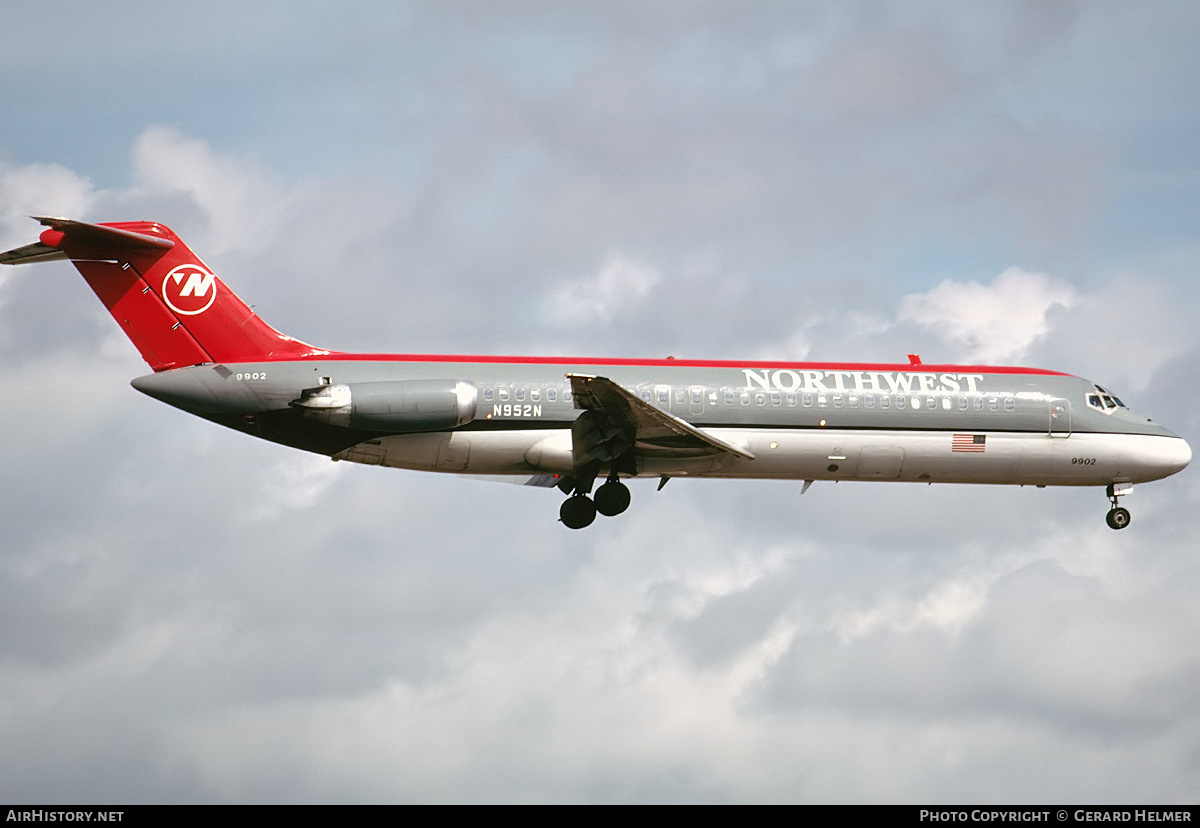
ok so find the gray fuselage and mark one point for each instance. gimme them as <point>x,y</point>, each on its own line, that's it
<point>512,415</point>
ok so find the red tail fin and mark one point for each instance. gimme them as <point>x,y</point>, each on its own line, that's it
<point>170,305</point>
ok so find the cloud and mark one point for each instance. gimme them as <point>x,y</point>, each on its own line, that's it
<point>993,323</point>
<point>1122,331</point>
<point>39,189</point>
<point>236,610</point>
<point>294,484</point>
<point>36,190</point>
<point>618,287</point>
<point>237,198</point>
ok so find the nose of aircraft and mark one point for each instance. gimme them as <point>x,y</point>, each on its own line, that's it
<point>1172,454</point>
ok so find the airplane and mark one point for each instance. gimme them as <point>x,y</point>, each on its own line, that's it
<point>568,422</point>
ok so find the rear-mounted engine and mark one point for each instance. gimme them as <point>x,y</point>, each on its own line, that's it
<point>395,406</point>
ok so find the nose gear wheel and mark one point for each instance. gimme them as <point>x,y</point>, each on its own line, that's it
<point>1118,516</point>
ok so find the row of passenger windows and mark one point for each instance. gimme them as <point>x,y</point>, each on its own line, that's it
<point>696,396</point>
<point>520,393</point>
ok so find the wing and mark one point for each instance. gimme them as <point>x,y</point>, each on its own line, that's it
<point>540,481</point>
<point>620,421</point>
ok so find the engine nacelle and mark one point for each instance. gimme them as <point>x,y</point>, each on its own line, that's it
<point>395,407</point>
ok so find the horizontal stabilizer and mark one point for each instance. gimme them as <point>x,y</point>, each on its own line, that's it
<point>81,231</point>
<point>79,234</point>
<point>30,253</point>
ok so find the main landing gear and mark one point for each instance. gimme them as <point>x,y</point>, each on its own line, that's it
<point>579,510</point>
<point>1118,516</point>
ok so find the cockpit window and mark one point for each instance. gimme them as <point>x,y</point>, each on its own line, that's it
<point>1101,400</point>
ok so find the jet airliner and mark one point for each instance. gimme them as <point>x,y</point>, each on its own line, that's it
<point>567,423</point>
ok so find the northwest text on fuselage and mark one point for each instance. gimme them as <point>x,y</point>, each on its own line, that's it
<point>882,382</point>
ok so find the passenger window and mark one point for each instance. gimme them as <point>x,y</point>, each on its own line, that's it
<point>977,403</point>
<point>760,399</point>
<point>1010,404</point>
<point>520,395</point>
<point>963,405</point>
<point>853,400</point>
<point>535,394</point>
<point>885,401</point>
<point>791,400</point>
<point>916,402</point>
<point>729,397</point>
<point>821,400</point>
<point>900,402</point>
<point>776,399</point>
<point>488,394</point>
<point>993,404</point>
<point>551,394</point>
<point>869,401</point>
<point>745,398</point>
<point>837,400</point>
<point>806,400</point>
<point>503,394</point>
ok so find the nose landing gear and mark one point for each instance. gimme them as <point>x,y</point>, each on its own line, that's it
<point>1118,516</point>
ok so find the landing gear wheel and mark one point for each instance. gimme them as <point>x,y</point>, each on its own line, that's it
<point>1118,517</point>
<point>577,512</point>
<point>612,498</point>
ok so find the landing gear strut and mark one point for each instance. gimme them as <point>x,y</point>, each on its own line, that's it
<point>1118,516</point>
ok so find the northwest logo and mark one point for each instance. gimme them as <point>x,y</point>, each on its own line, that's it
<point>189,289</point>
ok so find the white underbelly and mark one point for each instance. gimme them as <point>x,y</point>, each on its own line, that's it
<point>811,454</point>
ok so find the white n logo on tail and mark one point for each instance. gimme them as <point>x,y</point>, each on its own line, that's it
<point>197,285</point>
<point>189,289</point>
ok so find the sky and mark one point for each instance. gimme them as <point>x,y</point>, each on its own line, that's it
<point>189,615</point>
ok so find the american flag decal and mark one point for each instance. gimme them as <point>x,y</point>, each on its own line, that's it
<point>969,442</point>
